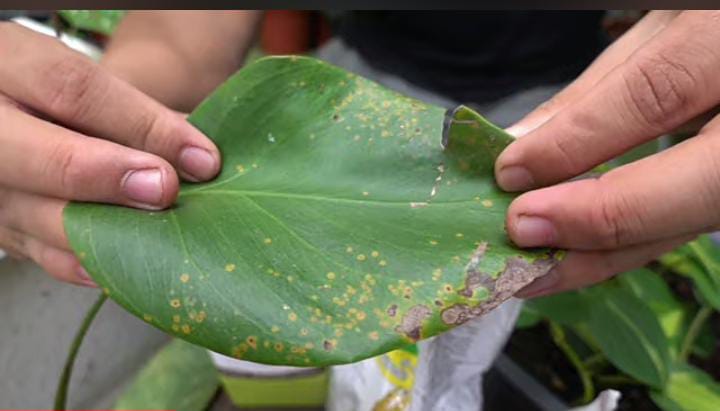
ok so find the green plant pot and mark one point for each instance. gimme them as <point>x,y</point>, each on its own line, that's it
<point>252,385</point>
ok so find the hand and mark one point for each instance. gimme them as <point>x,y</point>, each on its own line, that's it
<point>72,131</point>
<point>641,89</point>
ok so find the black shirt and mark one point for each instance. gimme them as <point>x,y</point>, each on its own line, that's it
<point>477,56</point>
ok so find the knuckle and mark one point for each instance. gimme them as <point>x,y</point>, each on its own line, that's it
<point>709,192</point>
<point>64,168</point>
<point>614,218</point>
<point>659,88</point>
<point>145,129</point>
<point>566,155</point>
<point>5,201</point>
<point>72,88</point>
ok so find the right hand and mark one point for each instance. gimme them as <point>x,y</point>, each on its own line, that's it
<point>72,131</point>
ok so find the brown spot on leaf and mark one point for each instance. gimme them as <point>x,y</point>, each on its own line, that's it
<point>328,345</point>
<point>517,273</point>
<point>474,277</point>
<point>392,310</point>
<point>412,322</point>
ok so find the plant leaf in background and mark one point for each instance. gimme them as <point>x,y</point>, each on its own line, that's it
<point>698,260</point>
<point>568,308</point>
<point>652,290</point>
<point>180,377</point>
<point>96,21</point>
<point>688,388</point>
<point>337,230</point>
<point>629,334</point>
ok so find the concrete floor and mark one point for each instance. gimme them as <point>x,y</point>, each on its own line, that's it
<point>39,317</point>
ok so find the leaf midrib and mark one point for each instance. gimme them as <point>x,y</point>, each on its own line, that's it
<point>648,345</point>
<point>314,197</point>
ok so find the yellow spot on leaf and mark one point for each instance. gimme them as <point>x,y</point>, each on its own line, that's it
<point>200,317</point>
<point>186,329</point>
<point>275,329</point>
<point>147,317</point>
<point>267,241</point>
<point>433,242</point>
<point>176,318</point>
<point>349,250</point>
<point>240,168</point>
<point>252,341</point>
<point>487,203</point>
<point>365,193</point>
<point>184,278</point>
<point>374,336</point>
<point>175,303</point>
<point>361,257</point>
<point>230,268</point>
<point>382,263</point>
<point>361,315</point>
<point>459,235</point>
<point>279,347</point>
<point>375,254</point>
<point>330,275</point>
<point>292,317</point>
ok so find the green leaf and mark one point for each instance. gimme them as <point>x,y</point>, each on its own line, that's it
<point>180,377</point>
<point>629,334</point>
<point>698,260</point>
<point>337,230</point>
<point>567,308</point>
<point>527,318</point>
<point>688,389</point>
<point>96,21</point>
<point>649,287</point>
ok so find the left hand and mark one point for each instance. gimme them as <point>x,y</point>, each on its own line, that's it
<point>657,77</point>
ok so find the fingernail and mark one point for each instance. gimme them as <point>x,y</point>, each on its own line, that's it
<point>144,186</point>
<point>198,163</point>
<point>85,278</point>
<point>531,231</point>
<point>515,178</point>
<point>517,130</point>
<point>540,286</point>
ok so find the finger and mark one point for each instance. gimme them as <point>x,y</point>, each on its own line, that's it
<point>46,159</point>
<point>60,264</point>
<point>671,193</point>
<point>670,80</point>
<point>584,268</point>
<point>79,93</point>
<point>13,242</point>
<point>33,215</point>
<point>651,24</point>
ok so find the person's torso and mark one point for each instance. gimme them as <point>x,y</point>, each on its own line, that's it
<point>476,56</point>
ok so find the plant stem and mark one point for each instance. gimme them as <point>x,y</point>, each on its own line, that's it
<point>594,360</point>
<point>619,379</point>
<point>63,384</point>
<point>558,336</point>
<point>693,331</point>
